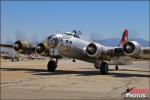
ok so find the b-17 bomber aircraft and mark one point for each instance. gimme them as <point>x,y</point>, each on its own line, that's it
<point>71,45</point>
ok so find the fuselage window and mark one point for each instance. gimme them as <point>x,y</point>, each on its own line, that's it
<point>61,40</point>
<point>70,42</point>
<point>66,41</point>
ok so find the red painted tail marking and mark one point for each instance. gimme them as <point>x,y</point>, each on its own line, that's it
<point>124,38</point>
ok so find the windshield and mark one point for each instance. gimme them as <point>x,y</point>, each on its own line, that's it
<point>70,34</point>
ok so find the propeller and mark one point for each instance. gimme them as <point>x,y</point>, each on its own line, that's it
<point>91,49</point>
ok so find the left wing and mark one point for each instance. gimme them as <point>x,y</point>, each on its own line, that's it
<point>130,48</point>
<point>135,52</point>
<point>126,48</point>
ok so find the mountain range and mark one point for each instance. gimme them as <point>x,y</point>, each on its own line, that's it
<point>115,41</point>
<point>112,42</point>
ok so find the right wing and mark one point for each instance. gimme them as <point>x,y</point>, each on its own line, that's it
<point>6,45</point>
<point>23,47</point>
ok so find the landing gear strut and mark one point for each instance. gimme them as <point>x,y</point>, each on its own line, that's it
<point>104,68</point>
<point>116,67</point>
<point>73,60</point>
<point>52,65</point>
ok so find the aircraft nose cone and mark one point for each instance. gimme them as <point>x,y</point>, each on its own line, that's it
<point>90,49</point>
<point>128,47</point>
<point>52,41</point>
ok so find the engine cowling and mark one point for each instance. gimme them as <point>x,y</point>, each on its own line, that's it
<point>22,46</point>
<point>132,48</point>
<point>42,48</point>
<point>94,50</point>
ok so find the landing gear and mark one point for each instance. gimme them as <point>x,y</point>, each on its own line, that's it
<point>17,59</point>
<point>96,67</point>
<point>52,65</point>
<point>116,67</point>
<point>104,68</point>
<point>97,64</point>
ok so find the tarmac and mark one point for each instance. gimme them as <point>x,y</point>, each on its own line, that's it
<point>71,81</point>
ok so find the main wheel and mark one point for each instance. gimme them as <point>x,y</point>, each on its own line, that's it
<point>17,59</point>
<point>97,65</point>
<point>116,67</point>
<point>51,66</point>
<point>104,68</point>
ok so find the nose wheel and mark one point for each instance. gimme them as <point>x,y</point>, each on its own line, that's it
<point>104,68</point>
<point>52,65</point>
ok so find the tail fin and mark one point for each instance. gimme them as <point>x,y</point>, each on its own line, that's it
<point>124,38</point>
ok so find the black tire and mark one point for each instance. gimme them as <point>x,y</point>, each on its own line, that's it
<point>17,59</point>
<point>51,66</point>
<point>116,67</point>
<point>104,68</point>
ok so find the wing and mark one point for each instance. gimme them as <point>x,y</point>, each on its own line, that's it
<point>6,45</point>
<point>23,47</point>
<point>145,54</point>
<point>136,53</point>
<point>131,48</point>
<point>126,48</point>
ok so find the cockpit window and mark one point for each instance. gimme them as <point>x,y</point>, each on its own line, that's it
<point>70,34</point>
<point>77,36</point>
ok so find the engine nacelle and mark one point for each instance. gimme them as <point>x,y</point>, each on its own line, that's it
<point>94,50</point>
<point>132,48</point>
<point>42,48</point>
<point>22,46</point>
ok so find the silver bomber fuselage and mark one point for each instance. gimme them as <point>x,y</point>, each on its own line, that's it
<point>73,47</point>
<point>76,48</point>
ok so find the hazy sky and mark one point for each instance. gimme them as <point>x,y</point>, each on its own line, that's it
<point>96,19</point>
